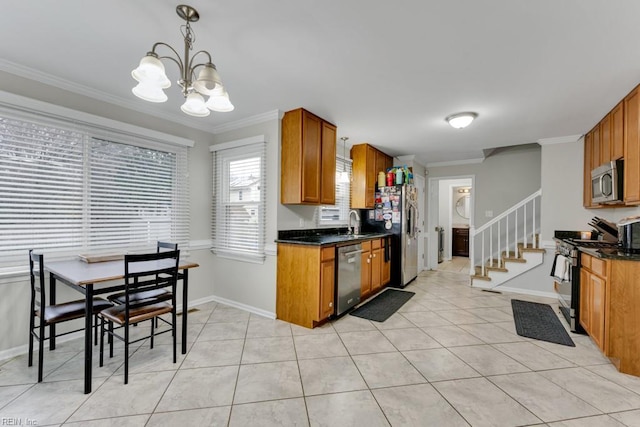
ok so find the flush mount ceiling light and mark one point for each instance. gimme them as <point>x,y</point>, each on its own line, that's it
<point>461,120</point>
<point>152,79</point>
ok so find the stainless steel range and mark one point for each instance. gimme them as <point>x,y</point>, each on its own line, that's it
<point>566,272</point>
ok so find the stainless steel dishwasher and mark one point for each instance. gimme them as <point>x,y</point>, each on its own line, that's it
<point>348,283</point>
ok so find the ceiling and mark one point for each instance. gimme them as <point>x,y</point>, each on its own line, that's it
<point>384,73</point>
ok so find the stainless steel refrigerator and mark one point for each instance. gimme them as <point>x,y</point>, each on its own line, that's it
<point>396,211</point>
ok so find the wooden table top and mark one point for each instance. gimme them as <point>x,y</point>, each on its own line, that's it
<point>82,273</point>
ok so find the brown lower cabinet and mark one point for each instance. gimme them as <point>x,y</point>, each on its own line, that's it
<point>593,285</point>
<point>376,271</point>
<point>460,242</point>
<point>305,283</point>
<point>609,300</point>
<point>306,279</point>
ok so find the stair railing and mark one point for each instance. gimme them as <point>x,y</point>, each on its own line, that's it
<point>518,224</point>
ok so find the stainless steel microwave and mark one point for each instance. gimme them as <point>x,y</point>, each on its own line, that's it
<point>606,183</point>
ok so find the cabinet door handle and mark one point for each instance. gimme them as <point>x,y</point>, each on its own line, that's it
<point>330,304</point>
<point>374,255</point>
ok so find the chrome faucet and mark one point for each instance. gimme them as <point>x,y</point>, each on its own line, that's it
<point>356,227</point>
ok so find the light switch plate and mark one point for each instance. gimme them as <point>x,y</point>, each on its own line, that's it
<point>488,214</point>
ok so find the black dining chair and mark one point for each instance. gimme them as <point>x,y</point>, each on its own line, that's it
<point>140,275</point>
<point>158,294</point>
<point>52,313</point>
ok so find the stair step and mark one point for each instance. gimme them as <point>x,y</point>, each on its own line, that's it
<point>510,254</point>
<point>520,260</point>
<point>496,268</point>
<point>478,277</point>
<point>534,250</point>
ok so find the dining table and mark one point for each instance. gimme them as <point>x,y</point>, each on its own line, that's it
<point>97,278</point>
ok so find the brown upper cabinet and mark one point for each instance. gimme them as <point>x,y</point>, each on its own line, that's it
<point>586,184</point>
<point>367,162</point>
<point>308,159</point>
<point>612,135</point>
<point>617,136</point>
<point>632,148</point>
<point>605,139</point>
<point>595,147</point>
<point>617,131</point>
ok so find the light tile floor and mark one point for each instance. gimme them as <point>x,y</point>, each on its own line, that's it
<point>456,263</point>
<point>449,357</point>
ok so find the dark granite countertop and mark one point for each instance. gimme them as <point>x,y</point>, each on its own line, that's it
<point>320,237</point>
<point>610,253</point>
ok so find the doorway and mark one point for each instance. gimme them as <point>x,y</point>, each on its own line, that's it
<point>450,205</point>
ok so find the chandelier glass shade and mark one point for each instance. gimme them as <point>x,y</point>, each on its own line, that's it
<point>152,79</point>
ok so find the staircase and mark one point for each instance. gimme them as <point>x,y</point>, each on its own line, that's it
<point>508,245</point>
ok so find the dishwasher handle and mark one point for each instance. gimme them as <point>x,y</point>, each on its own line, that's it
<point>346,254</point>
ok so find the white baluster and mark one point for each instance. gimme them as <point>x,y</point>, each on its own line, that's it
<point>524,225</point>
<point>491,246</point>
<point>482,254</point>
<point>499,246</point>
<point>535,241</point>
<point>515,238</point>
<point>507,237</point>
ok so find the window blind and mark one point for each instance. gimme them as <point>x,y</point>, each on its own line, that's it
<point>239,201</point>
<point>66,192</point>
<point>337,214</point>
<point>137,196</point>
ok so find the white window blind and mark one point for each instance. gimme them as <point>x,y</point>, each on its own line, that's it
<point>337,214</point>
<point>136,196</point>
<point>66,191</point>
<point>239,201</point>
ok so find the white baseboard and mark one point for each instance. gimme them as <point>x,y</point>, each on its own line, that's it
<point>24,349</point>
<point>477,284</point>
<point>245,307</point>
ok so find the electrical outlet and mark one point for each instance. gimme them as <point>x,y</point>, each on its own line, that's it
<point>488,214</point>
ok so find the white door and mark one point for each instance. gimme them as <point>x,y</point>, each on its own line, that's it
<point>419,182</point>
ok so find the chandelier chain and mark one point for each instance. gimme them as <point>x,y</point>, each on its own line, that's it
<point>188,34</point>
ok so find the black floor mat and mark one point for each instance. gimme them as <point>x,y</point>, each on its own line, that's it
<point>383,305</point>
<point>539,321</point>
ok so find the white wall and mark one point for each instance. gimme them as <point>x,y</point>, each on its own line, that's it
<point>562,182</point>
<point>248,285</point>
<point>501,180</point>
<point>561,209</point>
<point>14,302</point>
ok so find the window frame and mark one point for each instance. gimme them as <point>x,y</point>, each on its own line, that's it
<point>343,197</point>
<point>224,153</point>
<point>29,112</point>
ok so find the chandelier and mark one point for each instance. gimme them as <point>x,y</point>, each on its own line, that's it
<point>152,78</point>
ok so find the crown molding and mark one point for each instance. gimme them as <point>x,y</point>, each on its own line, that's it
<point>249,121</point>
<point>145,108</point>
<point>559,140</point>
<point>19,102</point>
<point>454,163</point>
